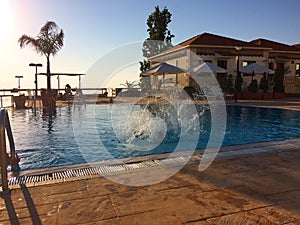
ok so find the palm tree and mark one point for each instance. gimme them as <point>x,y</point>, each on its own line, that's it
<point>48,42</point>
<point>129,84</point>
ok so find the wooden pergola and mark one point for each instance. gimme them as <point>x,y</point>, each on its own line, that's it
<point>66,74</point>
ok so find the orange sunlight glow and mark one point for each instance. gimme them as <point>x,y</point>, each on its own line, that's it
<point>5,17</point>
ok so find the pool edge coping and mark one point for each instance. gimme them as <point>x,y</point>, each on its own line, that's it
<point>226,152</point>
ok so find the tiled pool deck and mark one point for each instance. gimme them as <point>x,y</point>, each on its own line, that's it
<point>250,184</point>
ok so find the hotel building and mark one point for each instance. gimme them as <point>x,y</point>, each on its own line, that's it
<point>222,51</point>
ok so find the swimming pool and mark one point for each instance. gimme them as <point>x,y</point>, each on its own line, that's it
<point>46,140</point>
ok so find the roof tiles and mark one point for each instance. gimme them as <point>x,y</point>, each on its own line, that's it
<point>274,45</point>
<point>216,40</point>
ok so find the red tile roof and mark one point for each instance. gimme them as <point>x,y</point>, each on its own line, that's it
<point>297,45</point>
<point>213,39</point>
<point>274,45</point>
<point>207,39</point>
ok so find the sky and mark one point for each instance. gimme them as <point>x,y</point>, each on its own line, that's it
<point>94,28</point>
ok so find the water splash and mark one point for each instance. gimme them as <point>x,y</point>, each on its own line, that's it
<point>142,131</point>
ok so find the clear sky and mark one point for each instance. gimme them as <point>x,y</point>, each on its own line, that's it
<point>95,27</point>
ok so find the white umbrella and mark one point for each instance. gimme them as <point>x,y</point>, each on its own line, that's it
<point>208,67</point>
<point>162,69</point>
<point>256,68</point>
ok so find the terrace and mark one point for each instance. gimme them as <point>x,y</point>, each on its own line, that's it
<point>256,183</point>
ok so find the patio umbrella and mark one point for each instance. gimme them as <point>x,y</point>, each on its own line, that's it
<point>208,67</point>
<point>162,69</point>
<point>254,68</point>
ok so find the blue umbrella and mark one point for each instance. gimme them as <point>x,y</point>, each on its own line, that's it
<point>162,69</point>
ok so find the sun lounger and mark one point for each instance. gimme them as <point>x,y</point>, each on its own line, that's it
<point>199,95</point>
<point>228,96</point>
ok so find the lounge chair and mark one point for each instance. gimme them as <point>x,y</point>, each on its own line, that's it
<point>199,95</point>
<point>228,96</point>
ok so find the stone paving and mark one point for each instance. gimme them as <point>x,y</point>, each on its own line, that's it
<point>260,188</point>
<point>252,189</point>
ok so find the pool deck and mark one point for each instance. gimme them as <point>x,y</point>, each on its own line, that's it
<point>287,103</point>
<point>254,184</point>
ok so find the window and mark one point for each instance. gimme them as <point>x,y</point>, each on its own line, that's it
<point>280,66</point>
<point>271,66</point>
<point>203,61</point>
<point>246,63</point>
<point>297,69</point>
<point>222,63</point>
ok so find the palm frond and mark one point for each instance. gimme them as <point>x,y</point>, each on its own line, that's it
<point>27,40</point>
<point>57,42</point>
<point>48,42</point>
<point>129,84</point>
<point>48,27</point>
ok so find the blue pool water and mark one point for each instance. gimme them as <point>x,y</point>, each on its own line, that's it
<point>72,135</point>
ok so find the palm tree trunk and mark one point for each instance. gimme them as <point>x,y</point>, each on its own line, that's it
<point>49,99</point>
<point>48,75</point>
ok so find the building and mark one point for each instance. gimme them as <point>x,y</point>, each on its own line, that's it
<point>222,51</point>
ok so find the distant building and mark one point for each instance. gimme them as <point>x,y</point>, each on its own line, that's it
<point>222,51</point>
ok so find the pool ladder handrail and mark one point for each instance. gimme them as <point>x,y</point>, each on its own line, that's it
<point>5,126</point>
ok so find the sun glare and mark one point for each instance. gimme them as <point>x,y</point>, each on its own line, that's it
<point>5,16</point>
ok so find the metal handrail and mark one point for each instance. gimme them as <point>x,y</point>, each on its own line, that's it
<point>5,126</point>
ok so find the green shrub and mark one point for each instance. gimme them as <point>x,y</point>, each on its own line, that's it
<point>253,86</point>
<point>264,84</point>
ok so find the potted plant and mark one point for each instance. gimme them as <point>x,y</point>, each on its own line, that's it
<point>278,88</point>
<point>48,98</point>
<point>253,91</point>
<point>264,86</point>
<point>20,101</point>
<point>238,87</point>
<point>132,90</point>
<point>229,86</point>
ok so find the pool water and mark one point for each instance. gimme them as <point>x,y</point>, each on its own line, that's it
<point>46,140</point>
<point>253,124</point>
